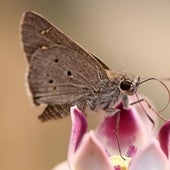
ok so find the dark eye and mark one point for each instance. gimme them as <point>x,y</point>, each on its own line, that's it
<point>125,85</point>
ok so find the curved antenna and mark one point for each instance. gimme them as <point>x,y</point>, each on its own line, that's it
<point>158,113</point>
<point>165,79</point>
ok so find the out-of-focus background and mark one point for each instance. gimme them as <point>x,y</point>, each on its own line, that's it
<point>127,35</point>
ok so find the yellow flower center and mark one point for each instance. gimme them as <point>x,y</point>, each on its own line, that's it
<point>118,161</point>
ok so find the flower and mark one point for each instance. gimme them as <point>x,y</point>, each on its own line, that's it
<point>98,149</point>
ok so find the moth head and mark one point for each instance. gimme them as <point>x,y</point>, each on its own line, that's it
<point>129,85</point>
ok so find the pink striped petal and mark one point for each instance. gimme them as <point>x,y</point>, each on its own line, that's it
<point>131,131</point>
<point>79,128</point>
<point>164,138</point>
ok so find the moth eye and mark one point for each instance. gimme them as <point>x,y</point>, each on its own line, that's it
<point>48,75</point>
<point>125,85</point>
<point>50,81</point>
<point>69,73</point>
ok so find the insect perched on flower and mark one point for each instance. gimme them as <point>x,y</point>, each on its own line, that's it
<point>62,73</point>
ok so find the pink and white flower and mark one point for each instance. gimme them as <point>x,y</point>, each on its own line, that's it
<point>98,149</point>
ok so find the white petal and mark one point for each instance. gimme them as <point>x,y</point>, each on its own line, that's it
<point>62,166</point>
<point>91,155</point>
<point>152,158</point>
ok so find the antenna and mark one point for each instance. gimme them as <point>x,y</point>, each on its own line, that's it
<point>156,112</point>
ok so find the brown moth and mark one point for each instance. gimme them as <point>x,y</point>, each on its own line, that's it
<point>62,74</point>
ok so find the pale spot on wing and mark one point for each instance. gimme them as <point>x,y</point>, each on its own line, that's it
<point>43,32</point>
<point>43,47</point>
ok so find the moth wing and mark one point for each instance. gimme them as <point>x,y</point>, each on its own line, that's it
<point>101,62</point>
<point>60,71</point>
<point>54,112</point>
<point>109,72</point>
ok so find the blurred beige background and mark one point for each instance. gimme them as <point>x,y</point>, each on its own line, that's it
<point>127,35</point>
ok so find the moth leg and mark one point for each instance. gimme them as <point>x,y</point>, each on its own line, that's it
<point>83,106</point>
<point>91,105</point>
<point>117,134</point>
<point>141,100</point>
<point>149,106</point>
<point>110,110</point>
